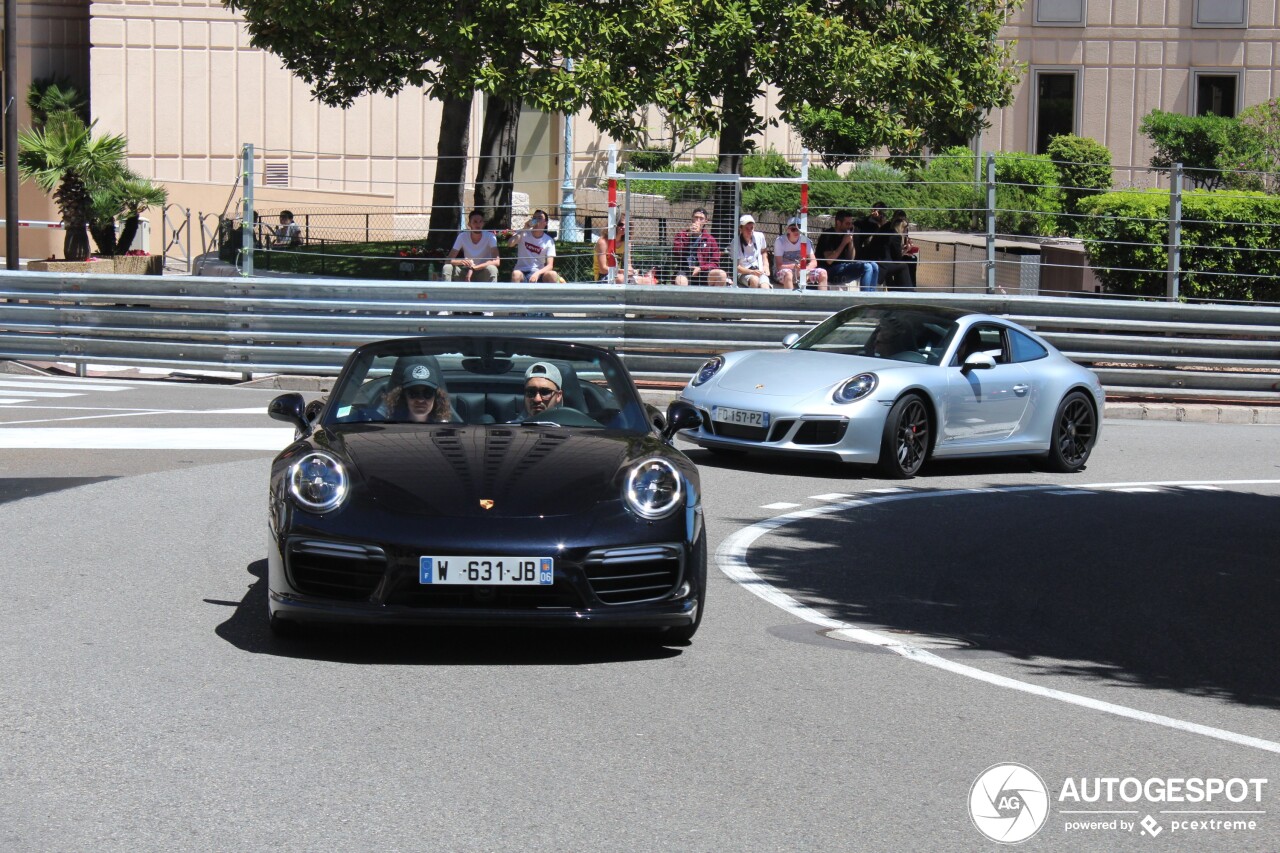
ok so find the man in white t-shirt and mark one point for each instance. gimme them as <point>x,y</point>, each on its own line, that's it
<point>474,256</point>
<point>794,262</point>
<point>753,263</point>
<point>535,251</point>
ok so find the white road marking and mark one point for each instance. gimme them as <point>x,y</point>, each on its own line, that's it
<point>50,394</point>
<point>731,557</point>
<point>890,491</point>
<point>7,402</point>
<point>834,496</point>
<point>251,410</point>
<point>163,438</point>
<point>782,505</point>
<point>60,386</point>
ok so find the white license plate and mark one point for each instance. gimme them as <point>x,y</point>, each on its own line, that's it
<point>486,571</point>
<point>726,415</point>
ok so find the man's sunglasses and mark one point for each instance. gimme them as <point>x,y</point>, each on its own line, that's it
<point>532,393</point>
<point>420,392</point>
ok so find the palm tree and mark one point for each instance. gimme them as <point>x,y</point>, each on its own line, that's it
<point>66,160</point>
<point>125,197</point>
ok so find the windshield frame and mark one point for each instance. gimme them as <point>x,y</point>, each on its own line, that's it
<point>503,359</point>
<point>931,329</point>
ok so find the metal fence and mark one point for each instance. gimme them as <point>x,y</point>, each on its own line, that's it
<point>308,326</point>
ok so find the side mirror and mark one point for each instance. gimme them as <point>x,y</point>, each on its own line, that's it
<point>978,361</point>
<point>790,340</point>
<point>680,415</point>
<point>292,409</point>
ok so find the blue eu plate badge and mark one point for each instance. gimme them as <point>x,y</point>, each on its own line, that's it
<point>545,570</point>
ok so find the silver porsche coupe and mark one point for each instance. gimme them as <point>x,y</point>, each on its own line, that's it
<point>896,384</point>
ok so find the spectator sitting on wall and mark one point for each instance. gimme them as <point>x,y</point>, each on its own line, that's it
<point>836,254</point>
<point>753,263</point>
<point>794,261</point>
<point>603,260</point>
<point>698,252</point>
<point>479,253</point>
<point>287,234</point>
<point>535,251</point>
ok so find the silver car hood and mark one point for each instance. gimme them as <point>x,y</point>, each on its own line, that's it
<point>788,373</point>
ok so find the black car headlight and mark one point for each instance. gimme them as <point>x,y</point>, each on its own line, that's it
<point>855,388</point>
<point>318,482</point>
<point>654,488</point>
<point>711,368</point>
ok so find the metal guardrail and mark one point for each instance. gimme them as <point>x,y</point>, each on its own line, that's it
<point>278,325</point>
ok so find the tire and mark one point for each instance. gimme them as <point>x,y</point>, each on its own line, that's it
<point>685,633</point>
<point>904,447</point>
<point>1075,429</point>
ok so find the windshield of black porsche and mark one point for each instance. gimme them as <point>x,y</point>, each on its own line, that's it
<point>913,335</point>
<point>415,383</point>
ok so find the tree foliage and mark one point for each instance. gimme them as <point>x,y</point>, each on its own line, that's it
<point>1264,120</point>
<point>1084,170</point>
<point>1227,243</point>
<point>1214,151</point>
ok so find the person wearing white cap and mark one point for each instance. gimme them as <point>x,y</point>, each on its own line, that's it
<point>542,388</point>
<point>796,263</point>
<point>753,263</point>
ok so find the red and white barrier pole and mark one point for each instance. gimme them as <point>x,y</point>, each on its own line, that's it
<point>612,258</point>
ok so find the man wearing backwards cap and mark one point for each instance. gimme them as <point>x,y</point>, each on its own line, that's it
<point>542,388</point>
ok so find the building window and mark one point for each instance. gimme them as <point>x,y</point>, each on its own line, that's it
<point>1060,13</point>
<point>1055,111</point>
<point>1216,94</point>
<point>1221,13</point>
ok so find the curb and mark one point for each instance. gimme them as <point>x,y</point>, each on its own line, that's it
<point>1200,413</point>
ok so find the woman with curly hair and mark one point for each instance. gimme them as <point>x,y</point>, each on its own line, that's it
<point>416,392</point>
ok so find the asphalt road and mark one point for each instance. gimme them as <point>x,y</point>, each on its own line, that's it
<point>866,655</point>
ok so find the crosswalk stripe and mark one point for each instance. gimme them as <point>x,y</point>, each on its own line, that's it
<point>46,385</point>
<point>27,393</point>
<point>145,438</point>
<point>5,401</point>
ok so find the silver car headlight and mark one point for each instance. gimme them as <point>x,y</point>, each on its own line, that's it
<point>711,368</point>
<point>855,388</point>
<point>318,482</point>
<point>654,488</point>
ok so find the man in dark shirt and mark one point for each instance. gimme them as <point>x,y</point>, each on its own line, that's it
<point>835,251</point>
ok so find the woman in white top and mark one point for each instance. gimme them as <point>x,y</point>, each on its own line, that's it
<point>479,252</point>
<point>792,253</point>
<point>753,263</point>
<point>535,251</point>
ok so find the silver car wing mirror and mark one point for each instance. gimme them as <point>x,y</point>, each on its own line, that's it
<point>978,361</point>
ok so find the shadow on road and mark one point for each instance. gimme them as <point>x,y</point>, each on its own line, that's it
<point>247,629</point>
<point>831,469</point>
<point>1176,589</point>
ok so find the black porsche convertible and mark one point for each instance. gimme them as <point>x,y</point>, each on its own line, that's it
<point>485,481</point>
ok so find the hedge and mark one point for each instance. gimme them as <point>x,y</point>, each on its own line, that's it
<point>1228,241</point>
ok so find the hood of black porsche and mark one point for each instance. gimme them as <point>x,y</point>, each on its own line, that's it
<point>487,471</point>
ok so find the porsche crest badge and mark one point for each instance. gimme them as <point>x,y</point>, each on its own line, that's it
<point>486,503</point>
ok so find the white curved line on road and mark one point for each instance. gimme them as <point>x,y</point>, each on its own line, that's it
<point>732,559</point>
<point>148,438</point>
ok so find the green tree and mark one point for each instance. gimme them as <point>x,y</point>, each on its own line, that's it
<point>906,74</point>
<point>1264,119</point>
<point>68,161</point>
<point>511,53</point>
<point>1214,151</point>
<point>1084,170</point>
<point>125,197</point>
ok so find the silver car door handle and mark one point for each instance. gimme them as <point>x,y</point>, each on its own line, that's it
<point>1021,389</point>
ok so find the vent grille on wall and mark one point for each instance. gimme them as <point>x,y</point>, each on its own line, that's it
<point>276,174</point>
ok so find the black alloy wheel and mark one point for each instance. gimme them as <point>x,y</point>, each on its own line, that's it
<point>1075,429</point>
<point>905,444</point>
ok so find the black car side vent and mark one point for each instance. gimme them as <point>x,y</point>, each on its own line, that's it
<point>633,575</point>
<point>335,569</point>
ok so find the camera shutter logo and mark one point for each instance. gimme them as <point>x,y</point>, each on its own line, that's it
<point>1008,803</point>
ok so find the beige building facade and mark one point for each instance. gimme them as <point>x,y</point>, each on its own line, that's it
<point>182,82</point>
